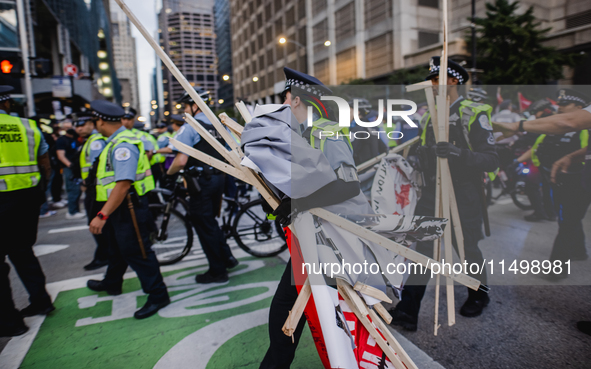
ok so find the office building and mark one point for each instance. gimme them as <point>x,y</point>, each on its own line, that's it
<point>124,55</point>
<point>223,39</point>
<point>187,34</point>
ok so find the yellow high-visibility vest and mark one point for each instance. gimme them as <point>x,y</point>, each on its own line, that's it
<point>19,147</point>
<point>105,176</point>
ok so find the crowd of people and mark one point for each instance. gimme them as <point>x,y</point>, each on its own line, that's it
<point>107,155</point>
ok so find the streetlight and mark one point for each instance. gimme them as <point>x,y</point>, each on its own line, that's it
<point>282,40</point>
<point>225,77</point>
<point>255,79</point>
<point>154,106</point>
<point>178,106</point>
<point>327,43</point>
<point>141,119</point>
<point>153,102</point>
<point>220,101</point>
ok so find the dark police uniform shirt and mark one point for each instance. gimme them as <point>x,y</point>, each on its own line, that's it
<point>471,164</point>
<point>69,145</point>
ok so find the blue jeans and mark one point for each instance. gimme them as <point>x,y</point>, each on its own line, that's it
<point>73,191</point>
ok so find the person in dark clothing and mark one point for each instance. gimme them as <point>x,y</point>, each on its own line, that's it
<point>67,153</point>
<point>568,192</point>
<point>469,157</point>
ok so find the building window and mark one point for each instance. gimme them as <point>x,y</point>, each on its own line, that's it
<point>345,22</point>
<point>318,6</point>
<point>428,38</point>
<point>377,11</point>
<point>578,20</point>
<point>379,55</point>
<point>429,3</point>
<point>346,66</point>
<point>320,32</point>
<point>321,70</point>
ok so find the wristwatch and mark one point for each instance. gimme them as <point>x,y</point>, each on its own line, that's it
<point>521,125</point>
<point>102,216</point>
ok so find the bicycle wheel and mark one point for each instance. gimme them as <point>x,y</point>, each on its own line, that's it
<point>173,240</point>
<point>256,234</point>
<point>520,198</point>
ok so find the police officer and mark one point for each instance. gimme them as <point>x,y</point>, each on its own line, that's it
<point>568,191</point>
<point>123,178</point>
<point>23,159</point>
<point>164,146</point>
<point>471,151</point>
<point>204,201</point>
<point>301,91</point>
<point>90,151</point>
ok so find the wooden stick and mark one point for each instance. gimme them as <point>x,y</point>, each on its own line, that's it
<point>362,313</point>
<point>218,164</point>
<point>230,123</point>
<point>381,310</point>
<point>419,86</point>
<point>228,138</point>
<point>295,314</point>
<point>243,111</point>
<point>372,292</point>
<point>168,62</point>
<point>377,159</point>
<point>437,249</point>
<point>228,155</point>
<point>404,357</point>
<point>399,249</point>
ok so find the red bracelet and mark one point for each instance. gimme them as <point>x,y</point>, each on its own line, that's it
<point>102,216</point>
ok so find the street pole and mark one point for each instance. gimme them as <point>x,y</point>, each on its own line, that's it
<point>24,41</point>
<point>473,25</point>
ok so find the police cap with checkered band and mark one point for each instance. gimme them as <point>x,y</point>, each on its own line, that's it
<point>107,111</point>
<point>567,96</point>
<point>305,82</point>
<point>453,70</point>
<point>5,92</point>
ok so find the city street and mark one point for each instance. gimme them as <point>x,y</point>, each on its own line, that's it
<point>225,326</point>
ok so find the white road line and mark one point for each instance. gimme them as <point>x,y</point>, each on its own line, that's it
<point>68,229</point>
<point>41,250</point>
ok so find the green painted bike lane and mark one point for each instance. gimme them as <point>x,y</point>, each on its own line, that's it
<point>205,326</point>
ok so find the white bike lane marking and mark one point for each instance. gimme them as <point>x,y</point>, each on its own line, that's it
<point>195,350</point>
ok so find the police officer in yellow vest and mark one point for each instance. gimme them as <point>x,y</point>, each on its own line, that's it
<point>471,152</point>
<point>92,148</point>
<point>23,160</point>
<point>123,178</point>
<point>568,193</point>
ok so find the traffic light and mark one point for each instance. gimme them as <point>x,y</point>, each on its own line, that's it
<point>11,63</point>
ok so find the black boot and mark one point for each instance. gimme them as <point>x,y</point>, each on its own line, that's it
<point>403,320</point>
<point>476,302</point>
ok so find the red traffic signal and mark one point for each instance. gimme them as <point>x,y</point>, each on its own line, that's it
<point>6,66</point>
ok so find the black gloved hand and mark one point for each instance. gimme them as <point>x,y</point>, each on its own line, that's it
<point>266,207</point>
<point>284,212</point>
<point>446,149</point>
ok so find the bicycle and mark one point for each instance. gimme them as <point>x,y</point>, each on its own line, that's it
<point>246,222</point>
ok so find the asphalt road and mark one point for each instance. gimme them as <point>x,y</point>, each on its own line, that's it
<point>525,326</point>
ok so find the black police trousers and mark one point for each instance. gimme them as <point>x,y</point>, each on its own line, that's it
<point>204,207</point>
<point>571,202</point>
<point>470,209</point>
<point>281,350</point>
<point>19,218</point>
<point>102,247</point>
<point>124,250</point>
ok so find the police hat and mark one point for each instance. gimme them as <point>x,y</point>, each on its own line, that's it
<point>305,82</point>
<point>106,110</point>
<point>161,125</point>
<point>139,125</point>
<point>177,118</point>
<point>5,92</point>
<point>81,118</point>
<point>453,69</point>
<point>567,96</point>
<point>130,112</point>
